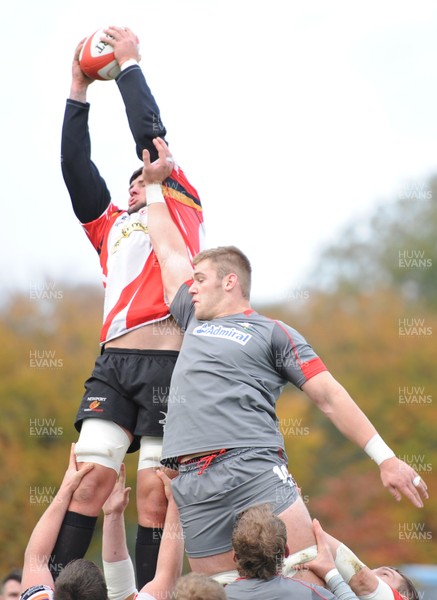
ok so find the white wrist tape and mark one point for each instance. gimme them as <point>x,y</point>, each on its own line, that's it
<point>299,557</point>
<point>120,579</point>
<point>330,574</point>
<point>382,592</point>
<point>154,193</point>
<point>347,563</point>
<point>377,449</point>
<point>128,63</point>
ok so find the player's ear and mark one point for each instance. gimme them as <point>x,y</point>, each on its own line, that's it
<point>230,281</point>
<point>286,550</point>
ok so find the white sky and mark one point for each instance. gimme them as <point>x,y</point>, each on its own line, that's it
<point>290,118</point>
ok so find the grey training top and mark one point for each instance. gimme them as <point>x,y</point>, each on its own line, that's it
<point>276,588</point>
<point>228,376</point>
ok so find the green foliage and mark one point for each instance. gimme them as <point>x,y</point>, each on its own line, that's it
<point>396,249</point>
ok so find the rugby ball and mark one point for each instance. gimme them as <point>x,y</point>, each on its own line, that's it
<point>96,59</point>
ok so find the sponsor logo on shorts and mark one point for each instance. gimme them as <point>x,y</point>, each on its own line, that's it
<point>163,421</point>
<point>227,333</point>
<point>94,405</point>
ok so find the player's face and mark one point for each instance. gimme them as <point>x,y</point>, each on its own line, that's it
<point>207,291</point>
<point>11,590</point>
<point>137,195</point>
<point>390,576</point>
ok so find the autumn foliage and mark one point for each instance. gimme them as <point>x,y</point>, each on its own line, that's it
<point>374,330</point>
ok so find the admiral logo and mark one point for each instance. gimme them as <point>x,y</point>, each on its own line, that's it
<point>228,333</point>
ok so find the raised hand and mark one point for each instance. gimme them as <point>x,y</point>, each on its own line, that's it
<point>161,168</point>
<point>119,497</point>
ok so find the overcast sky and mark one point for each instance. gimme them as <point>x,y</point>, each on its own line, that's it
<point>290,118</point>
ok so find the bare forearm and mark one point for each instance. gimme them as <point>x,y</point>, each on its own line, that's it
<point>114,546</point>
<point>44,536</point>
<point>169,247</point>
<point>350,420</point>
<point>170,558</point>
<point>78,91</point>
<point>335,402</point>
<point>42,541</point>
<point>172,542</point>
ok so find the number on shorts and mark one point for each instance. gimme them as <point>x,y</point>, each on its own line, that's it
<point>283,474</point>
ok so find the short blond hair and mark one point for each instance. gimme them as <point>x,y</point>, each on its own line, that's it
<point>229,259</point>
<point>196,586</point>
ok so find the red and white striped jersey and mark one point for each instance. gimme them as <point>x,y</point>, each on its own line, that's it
<point>134,293</point>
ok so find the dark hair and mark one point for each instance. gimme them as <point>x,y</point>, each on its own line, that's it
<point>407,589</point>
<point>80,579</point>
<point>14,575</point>
<point>259,538</point>
<point>196,586</point>
<point>229,259</point>
<point>135,174</point>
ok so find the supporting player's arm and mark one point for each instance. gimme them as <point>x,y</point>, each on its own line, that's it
<point>336,403</point>
<point>171,551</point>
<point>117,564</point>
<point>42,541</point>
<point>334,559</point>
<point>325,568</point>
<point>167,241</point>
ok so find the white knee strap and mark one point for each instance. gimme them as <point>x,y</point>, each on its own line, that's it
<point>225,577</point>
<point>150,452</point>
<point>302,556</point>
<point>102,442</point>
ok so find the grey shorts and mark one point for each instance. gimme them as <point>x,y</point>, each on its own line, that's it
<point>210,503</point>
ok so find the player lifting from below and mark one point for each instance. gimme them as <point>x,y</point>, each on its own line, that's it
<point>259,542</point>
<point>382,583</point>
<point>125,401</point>
<point>81,578</point>
<point>221,426</point>
<point>117,565</point>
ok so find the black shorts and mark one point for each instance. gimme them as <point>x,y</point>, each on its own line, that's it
<point>130,388</point>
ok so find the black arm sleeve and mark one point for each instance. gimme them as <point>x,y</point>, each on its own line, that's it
<point>141,109</point>
<point>88,192</point>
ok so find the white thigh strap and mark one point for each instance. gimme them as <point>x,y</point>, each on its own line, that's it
<point>225,577</point>
<point>102,442</point>
<point>302,556</point>
<point>150,452</point>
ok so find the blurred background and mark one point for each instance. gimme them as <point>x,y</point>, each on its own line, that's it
<point>310,133</point>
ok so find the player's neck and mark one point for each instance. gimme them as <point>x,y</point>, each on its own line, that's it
<point>234,309</point>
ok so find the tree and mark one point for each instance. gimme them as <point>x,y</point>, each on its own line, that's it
<point>395,249</point>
